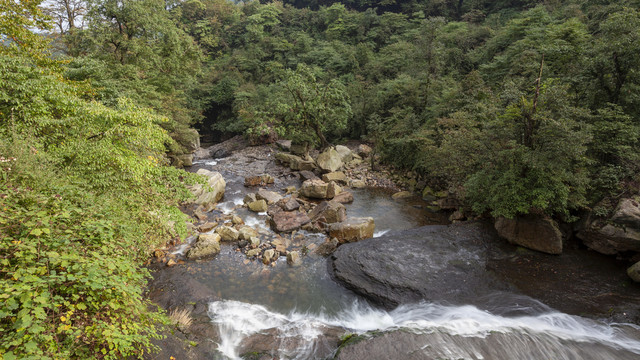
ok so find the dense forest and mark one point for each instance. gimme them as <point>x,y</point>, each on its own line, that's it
<point>515,107</point>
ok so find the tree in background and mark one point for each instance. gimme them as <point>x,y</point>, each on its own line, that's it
<point>301,107</point>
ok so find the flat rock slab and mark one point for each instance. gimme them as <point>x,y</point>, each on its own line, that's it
<point>433,263</point>
<point>287,221</point>
<point>410,345</point>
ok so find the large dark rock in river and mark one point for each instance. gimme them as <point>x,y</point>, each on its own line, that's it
<point>533,232</point>
<point>435,263</point>
<point>617,234</point>
<point>411,345</point>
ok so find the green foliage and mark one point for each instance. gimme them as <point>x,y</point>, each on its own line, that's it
<point>301,108</point>
<point>18,19</point>
<point>83,200</point>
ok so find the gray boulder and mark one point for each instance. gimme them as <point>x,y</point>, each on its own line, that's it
<point>215,191</point>
<point>345,153</point>
<point>330,160</point>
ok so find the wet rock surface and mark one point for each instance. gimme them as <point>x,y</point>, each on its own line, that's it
<point>408,345</point>
<point>462,262</point>
<point>471,262</point>
<point>435,263</point>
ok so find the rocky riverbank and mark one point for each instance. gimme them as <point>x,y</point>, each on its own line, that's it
<point>281,212</point>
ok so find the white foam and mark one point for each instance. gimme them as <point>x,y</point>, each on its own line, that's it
<point>380,233</point>
<point>206,162</point>
<point>238,320</point>
<point>182,247</point>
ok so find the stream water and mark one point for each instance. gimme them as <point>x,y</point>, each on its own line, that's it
<point>300,312</point>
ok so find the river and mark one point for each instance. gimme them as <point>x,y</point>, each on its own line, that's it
<point>265,312</point>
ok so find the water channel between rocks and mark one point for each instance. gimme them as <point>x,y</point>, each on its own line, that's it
<point>301,312</point>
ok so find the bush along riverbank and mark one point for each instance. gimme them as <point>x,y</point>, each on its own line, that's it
<point>84,197</point>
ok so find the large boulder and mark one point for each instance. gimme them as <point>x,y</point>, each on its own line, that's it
<point>352,229</point>
<point>215,190</point>
<point>434,263</point>
<point>287,221</point>
<point>329,212</point>
<point>225,148</point>
<point>446,344</point>
<point>344,197</point>
<point>258,206</point>
<point>533,232</point>
<point>228,233</point>
<point>634,272</point>
<point>619,233</point>
<point>207,245</point>
<point>337,176</point>
<point>261,180</point>
<point>330,160</point>
<point>271,197</point>
<point>295,162</point>
<point>364,150</point>
<point>345,153</point>
<point>247,232</point>
<point>181,160</point>
<point>315,189</point>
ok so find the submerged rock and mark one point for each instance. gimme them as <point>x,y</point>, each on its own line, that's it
<point>294,259</point>
<point>269,256</point>
<point>401,195</point>
<point>533,232</point>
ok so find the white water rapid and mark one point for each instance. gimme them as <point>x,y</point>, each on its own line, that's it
<point>301,335</point>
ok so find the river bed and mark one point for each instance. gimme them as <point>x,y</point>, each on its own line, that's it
<point>574,306</point>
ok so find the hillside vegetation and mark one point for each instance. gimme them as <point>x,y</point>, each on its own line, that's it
<point>515,107</point>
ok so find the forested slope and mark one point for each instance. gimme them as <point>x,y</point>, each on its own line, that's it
<point>514,107</point>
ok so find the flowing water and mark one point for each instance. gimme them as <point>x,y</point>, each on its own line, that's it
<point>301,313</point>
